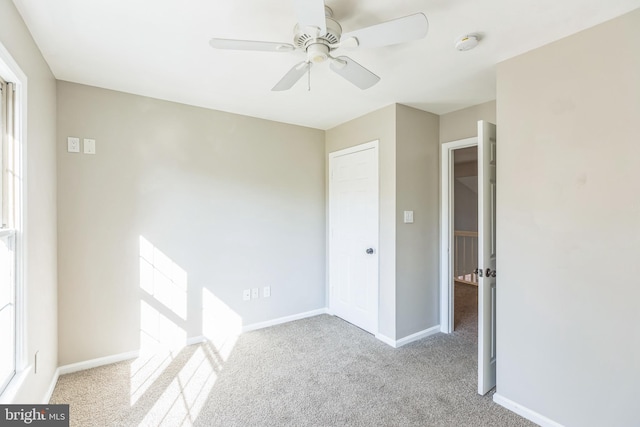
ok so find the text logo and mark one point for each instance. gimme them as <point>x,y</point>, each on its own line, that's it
<point>34,415</point>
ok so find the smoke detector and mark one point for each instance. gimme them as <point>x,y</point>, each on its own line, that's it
<point>467,42</point>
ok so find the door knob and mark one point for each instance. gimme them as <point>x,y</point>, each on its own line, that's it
<point>370,251</point>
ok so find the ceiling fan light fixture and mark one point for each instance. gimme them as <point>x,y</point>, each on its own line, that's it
<point>317,53</point>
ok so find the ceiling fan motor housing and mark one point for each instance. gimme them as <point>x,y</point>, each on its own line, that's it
<point>304,37</point>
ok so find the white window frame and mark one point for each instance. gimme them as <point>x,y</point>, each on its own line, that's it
<point>11,72</point>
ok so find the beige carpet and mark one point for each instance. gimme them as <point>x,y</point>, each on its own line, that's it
<point>319,371</point>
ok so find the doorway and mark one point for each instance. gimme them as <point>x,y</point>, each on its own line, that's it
<point>468,156</point>
<point>465,239</point>
<point>486,143</point>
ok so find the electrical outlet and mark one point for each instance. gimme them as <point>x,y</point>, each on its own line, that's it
<point>266,291</point>
<point>408,217</point>
<point>246,295</point>
<point>255,293</point>
<point>73,144</point>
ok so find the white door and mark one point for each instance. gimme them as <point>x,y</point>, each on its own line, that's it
<point>486,256</point>
<point>353,235</point>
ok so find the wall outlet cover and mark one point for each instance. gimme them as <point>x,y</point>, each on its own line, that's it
<point>408,217</point>
<point>73,144</point>
<point>89,146</point>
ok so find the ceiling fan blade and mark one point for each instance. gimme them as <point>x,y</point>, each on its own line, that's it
<point>310,13</point>
<point>292,76</point>
<point>250,45</point>
<point>354,72</point>
<point>387,33</point>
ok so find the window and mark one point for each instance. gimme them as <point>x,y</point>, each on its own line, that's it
<point>7,308</point>
<point>11,231</point>
<point>7,238</point>
<point>9,158</point>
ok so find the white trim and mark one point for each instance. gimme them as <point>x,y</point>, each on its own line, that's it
<point>11,72</point>
<point>47,397</point>
<point>281,320</point>
<point>94,363</point>
<point>525,412</point>
<point>9,68</point>
<point>446,226</point>
<point>385,339</point>
<point>14,386</point>
<point>410,338</point>
<point>418,336</point>
<point>354,149</point>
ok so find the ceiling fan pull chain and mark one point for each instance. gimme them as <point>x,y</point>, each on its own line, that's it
<point>309,78</point>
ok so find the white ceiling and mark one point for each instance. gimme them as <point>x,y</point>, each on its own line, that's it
<point>159,48</point>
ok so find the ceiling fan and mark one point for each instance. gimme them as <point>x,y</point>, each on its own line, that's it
<point>318,35</point>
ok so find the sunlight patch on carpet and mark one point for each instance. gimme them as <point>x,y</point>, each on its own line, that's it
<point>183,399</point>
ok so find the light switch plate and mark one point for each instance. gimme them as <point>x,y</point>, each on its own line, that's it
<point>73,144</point>
<point>408,217</point>
<point>89,146</point>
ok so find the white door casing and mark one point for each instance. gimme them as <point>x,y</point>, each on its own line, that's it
<point>486,256</point>
<point>353,235</point>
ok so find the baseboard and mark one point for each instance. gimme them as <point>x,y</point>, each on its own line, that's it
<point>418,336</point>
<point>281,320</point>
<point>409,339</point>
<point>52,386</point>
<point>385,339</point>
<point>525,412</point>
<point>94,363</point>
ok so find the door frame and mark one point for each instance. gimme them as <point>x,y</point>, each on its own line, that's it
<point>346,151</point>
<point>446,229</point>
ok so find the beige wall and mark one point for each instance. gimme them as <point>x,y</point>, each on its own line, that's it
<point>235,202</point>
<point>379,125</point>
<point>40,220</point>
<point>466,207</point>
<point>568,204</point>
<point>465,202</point>
<point>417,247</point>
<point>463,123</point>
<point>408,181</point>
